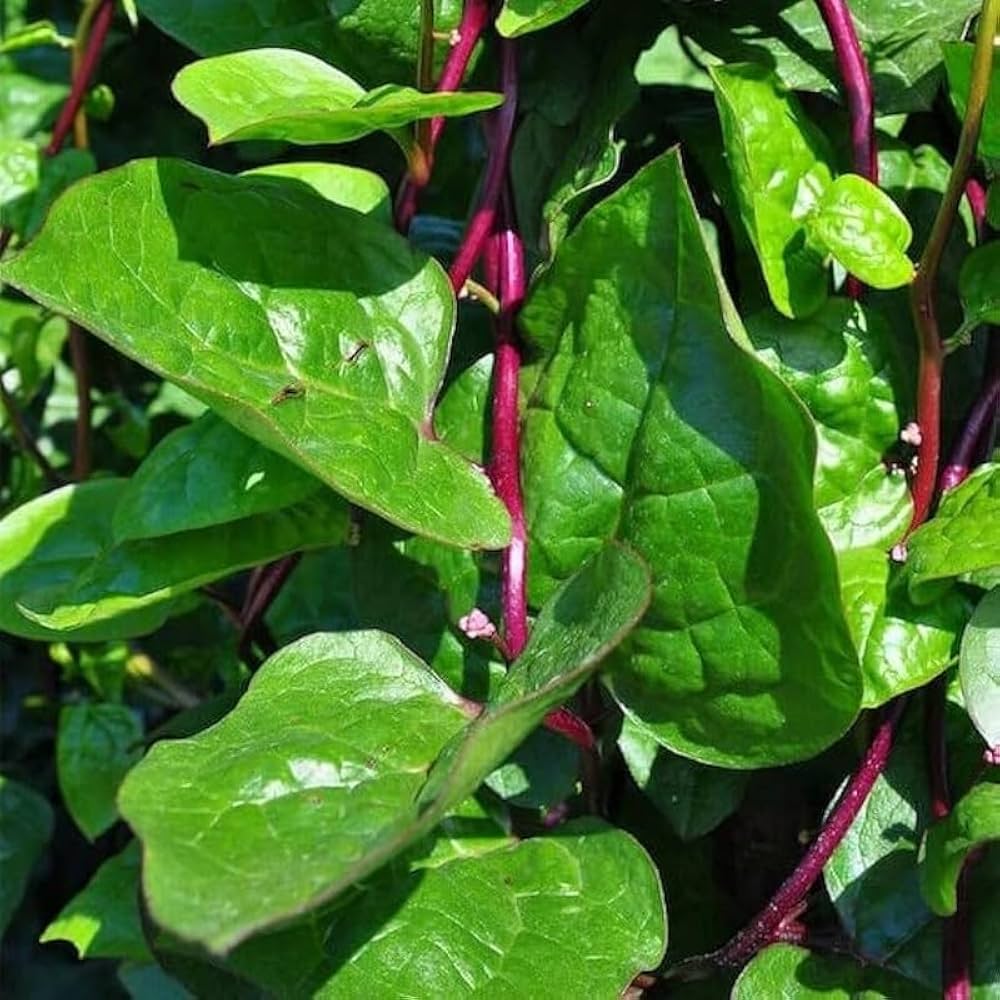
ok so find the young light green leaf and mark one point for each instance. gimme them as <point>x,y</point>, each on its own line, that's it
<point>96,746</point>
<point>958,63</point>
<point>205,474</point>
<point>245,325</point>
<point>351,187</point>
<point>121,579</point>
<point>102,920</point>
<point>963,537</point>
<point>295,97</point>
<point>861,227</point>
<point>49,543</point>
<point>519,17</point>
<point>27,103</point>
<point>979,668</point>
<point>694,798</point>
<point>653,425</point>
<point>778,161</point>
<point>972,822</point>
<point>24,832</point>
<point>794,973</point>
<point>34,34</point>
<point>131,12</point>
<point>332,746</point>
<point>591,893</point>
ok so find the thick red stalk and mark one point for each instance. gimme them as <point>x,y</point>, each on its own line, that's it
<point>785,904</point>
<point>857,84</point>
<point>475,18</point>
<point>484,217</point>
<point>81,79</point>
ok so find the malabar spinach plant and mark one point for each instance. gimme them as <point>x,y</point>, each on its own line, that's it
<point>479,477</point>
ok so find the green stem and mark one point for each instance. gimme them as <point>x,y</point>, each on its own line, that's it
<point>923,287</point>
<point>425,68</point>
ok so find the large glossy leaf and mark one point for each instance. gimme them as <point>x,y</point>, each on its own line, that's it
<point>102,920</point>
<point>518,17</point>
<point>96,747</point>
<point>205,474</point>
<point>26,828</point>
<point>861,227</point>
<point>788,972</point>
<point>973,822</point>
<point>332,763</point>
<point>373,40</point>
<point>325,337</point>
<point>49,543</point>
<point>585,906</point>
<point>778,161</point>
<point>653,425</point>
<point>291,96</point>
<point>901,39</point>
<point>979,668</point>
<point>963,537</point>
<point>120,579</point>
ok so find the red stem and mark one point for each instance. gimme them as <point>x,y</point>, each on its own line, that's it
<point>984,412</point>
<point>787,901</point>
<point>856,81</point>
<point>975,195</point>
<point>269,580</point>
<point>81,81</point>
<point>484,217</point>
<point>475,18</point>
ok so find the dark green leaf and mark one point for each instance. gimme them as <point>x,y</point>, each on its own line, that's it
<point>958,62</point>
<point>96,747</point>
<point>979,287</point>
<point>102,920</point>
<point>205,474</point>
<point>793,973</point>
<point>863,229</point>
<point>519,17</point>
<point>653,424</point>
<point>26,828</point>
<point>542,772</point>
<point>778,161</point>
<point>694,798</point>
<point>963,537</point>
<point>973,821</point>
<point>245,325</point>
<point>295,97</point>
<point>901,39</point>
<point>979,668</point>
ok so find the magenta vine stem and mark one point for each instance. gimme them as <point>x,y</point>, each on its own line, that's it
<point>268,582</point>
<point>485,215</point>
<point>984,412</point>
<point>81,79</point>
<point>857,83</point>
<point>475,18</point>
<point>786,903</point>
<point>975,195</point>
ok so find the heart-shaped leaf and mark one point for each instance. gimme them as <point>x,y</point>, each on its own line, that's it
<point>294,97</point>
<point>325,336</point>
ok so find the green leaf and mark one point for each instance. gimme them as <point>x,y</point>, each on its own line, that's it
<point>794,973</point>
<point>131,12</point>
<point>993,206</point>
<point>320,774</point>
<point>351,187</point>
<point>49,543</point>
<point>862,228</point>
<point>958,63</point>
<point>291,96</point>
<point>586,906</point>
<point>542,772</point>
<point>653,425</point>
<point>123,578</point>
<point>27,104</point>
<point>778,161</point>
<point>694,798</point>
<point>973,821</point>
<point>373,40</point>
<point>963,537</point>
<point>902,43</point>
<point>26,828</point>
<point>519,17</point>
<point>31,340</point>
<point>979,287</point>
<point>34,34</point>
<point>102,920</point>
<point>96,746</point>
<point>245,325</point>
<point>979,668</point>
<point>205,474</point>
